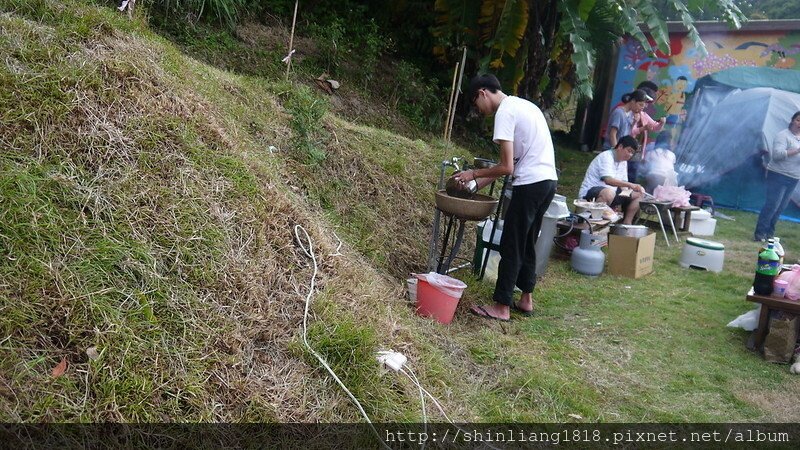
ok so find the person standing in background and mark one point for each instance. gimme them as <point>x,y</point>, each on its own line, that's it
<point>527,154</point>
<point>642,125</point>
<point>783,173</point>
<point>621,121</point>
<point>648,87</point>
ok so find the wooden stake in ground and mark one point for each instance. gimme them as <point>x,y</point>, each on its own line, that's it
<point>452,117</point>
<point>450,103</point>
<point>291,41</point>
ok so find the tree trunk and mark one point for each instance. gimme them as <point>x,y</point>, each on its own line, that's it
<point>541,34</point>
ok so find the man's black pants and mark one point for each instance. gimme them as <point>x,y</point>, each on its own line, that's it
<point>521,227</point>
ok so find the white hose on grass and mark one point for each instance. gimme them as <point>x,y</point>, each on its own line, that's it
<point>309,251</point>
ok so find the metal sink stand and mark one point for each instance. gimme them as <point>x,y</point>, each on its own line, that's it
<point>441,260</point>
<point>436,261</point>
<point>443,264</point>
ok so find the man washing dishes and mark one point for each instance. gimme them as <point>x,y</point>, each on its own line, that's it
<point>526,153</point>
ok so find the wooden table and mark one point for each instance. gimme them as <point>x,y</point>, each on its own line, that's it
<point>599,227</point>
<point>769,304</point>
<point>687,216</point>
<point>594,226</point>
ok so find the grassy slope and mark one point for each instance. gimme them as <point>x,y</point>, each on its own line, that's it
<point>142,215</point>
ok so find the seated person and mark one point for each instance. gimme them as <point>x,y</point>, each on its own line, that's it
<point>607,175</point>
<point>659,169</point>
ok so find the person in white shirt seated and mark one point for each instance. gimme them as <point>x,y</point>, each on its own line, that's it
<point>607,175</point>
<point>659,167</point>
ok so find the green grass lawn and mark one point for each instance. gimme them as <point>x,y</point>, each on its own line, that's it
<point>617,349</point>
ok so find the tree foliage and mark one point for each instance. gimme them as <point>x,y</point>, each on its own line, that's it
<point>753,9</point>
<point>223,11</point>
<point>535,45</point>
<point>772,9</point>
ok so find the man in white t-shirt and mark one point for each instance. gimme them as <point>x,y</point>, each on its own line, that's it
<point>526,153</point>
<point>607,174</point>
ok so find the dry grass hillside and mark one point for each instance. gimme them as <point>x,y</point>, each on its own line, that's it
<point>148,234</point>
<point>150,269</point>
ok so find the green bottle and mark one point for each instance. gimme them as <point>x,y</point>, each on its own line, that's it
<point>769,261</point>
<point>768,267</point>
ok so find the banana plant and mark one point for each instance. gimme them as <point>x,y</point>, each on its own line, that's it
<point>533,45</point>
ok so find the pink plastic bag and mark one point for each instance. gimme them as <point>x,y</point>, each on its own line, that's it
<point>793,278</point>
<point>675,194</point>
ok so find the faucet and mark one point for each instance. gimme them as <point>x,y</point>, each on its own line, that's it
<point>453,162</point>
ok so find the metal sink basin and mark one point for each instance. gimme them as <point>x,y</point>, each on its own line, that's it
<point>477,208</point>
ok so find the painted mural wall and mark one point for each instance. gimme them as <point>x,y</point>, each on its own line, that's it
<point>677,73</point>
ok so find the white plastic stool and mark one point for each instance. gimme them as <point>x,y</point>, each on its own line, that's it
<point>702,254</point>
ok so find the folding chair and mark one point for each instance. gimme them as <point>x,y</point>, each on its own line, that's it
<point>660,209</point>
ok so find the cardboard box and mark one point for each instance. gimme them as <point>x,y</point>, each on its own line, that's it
<point>629,256</point>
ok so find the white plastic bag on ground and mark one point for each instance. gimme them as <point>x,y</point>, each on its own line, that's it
<point>443,283</point>
<point>747,321</point>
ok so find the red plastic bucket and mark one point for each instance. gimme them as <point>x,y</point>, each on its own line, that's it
<point>438,297</point>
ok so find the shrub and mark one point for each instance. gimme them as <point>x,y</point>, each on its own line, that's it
<point>222,11</point>
<point>307,112</point>
<point>416,97</point>
<point>331,42</point>
<point>372,45</point>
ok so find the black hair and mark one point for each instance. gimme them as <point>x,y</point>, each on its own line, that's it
<point>485,81</point>
<point>683,78</point>
<point>627,141</point>
<point>638,96</point>
<point>794,116</point>
<point>651,93</point>
<point>625,97</point>
<point>647,84</point>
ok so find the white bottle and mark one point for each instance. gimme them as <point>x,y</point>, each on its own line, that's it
<point>779,248</point>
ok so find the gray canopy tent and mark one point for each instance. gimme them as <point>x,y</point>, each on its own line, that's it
<point>733,116</point>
